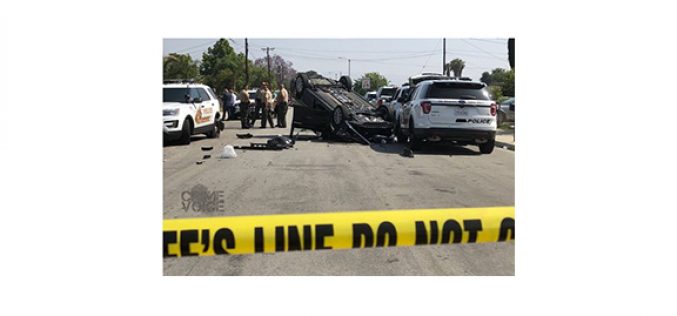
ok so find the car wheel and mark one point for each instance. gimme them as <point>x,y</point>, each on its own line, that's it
<point>185,132</point>
<point>347,83</point>
<point>487,147</point>
<point>337,118</point>
<point>302,82</point>
<point>215,132</point>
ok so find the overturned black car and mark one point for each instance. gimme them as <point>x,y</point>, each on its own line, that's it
<point>331,109</point>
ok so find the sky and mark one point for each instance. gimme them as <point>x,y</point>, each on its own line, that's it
<point>396,59</point>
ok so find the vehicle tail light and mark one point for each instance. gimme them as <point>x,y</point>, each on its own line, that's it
<point>493,109</point>
<point>426,107</point>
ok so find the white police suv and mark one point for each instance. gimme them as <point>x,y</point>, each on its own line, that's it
<point>189,108</point>
<point>448,110</point>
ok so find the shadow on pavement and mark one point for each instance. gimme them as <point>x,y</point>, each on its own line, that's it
<point>426,149</point>
<point>175,143</point>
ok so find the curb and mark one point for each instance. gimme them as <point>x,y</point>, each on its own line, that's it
<point>507,146</point>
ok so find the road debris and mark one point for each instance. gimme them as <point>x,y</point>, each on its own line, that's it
<point>204,148</point>
<point>276,143</point>
<point>248,135</point>
<point>228,152</point>
<point>407,152</point>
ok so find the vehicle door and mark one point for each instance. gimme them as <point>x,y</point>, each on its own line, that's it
<point>309,113</point>
<point>206,108</point>
<point>217,103</point>
<point>407,107</point>
<point>393,103</point>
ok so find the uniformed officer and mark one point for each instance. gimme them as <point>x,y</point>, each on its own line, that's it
<point>258,101</point>
<point>244,107</point>
<point>267,110</point>
<point>281,107</point>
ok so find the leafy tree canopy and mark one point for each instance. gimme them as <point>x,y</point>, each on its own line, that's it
<point>376,81</point>
<point>505,79</point>
<point>177,66</point>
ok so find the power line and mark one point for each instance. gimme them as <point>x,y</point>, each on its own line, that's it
<point>189,48</point>
<point>397,57</point>
<point>481,49</point>
<point>493,41</point>
<point>268,49</point>
<point>427,60</point>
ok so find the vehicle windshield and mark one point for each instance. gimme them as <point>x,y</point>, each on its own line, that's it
<point>388,92</point>
<point>175,95</point>
<point>371,96</point>
<point>456,90</point>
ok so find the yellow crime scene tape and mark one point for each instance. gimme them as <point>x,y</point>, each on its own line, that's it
<point>207,236</point>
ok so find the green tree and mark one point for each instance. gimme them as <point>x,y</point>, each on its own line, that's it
<point>221,67</point>
<point>456,66</point>
<point>177,66</point>
<point>509,85</point>
<point>257,75</point>
<point>376,81</point>
<point>496,93</point>
<point>486,78</point>
<point>505,79</point>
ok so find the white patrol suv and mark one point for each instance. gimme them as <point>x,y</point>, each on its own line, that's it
<point>189,108</point>
<point>452,110</point>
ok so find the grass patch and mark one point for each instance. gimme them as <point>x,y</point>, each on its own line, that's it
<point>507,125</point>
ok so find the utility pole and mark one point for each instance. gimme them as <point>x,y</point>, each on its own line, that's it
<point>279,72</point>
<point>246,62</point>
<point>268,49</point>
<point>348,59</point>
<point>444,56</point>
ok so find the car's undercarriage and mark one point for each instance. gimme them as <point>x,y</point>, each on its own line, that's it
<point>348,115</point>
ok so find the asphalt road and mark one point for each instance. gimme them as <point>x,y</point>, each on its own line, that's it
<point>320,176</point>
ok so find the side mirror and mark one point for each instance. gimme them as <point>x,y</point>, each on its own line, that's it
<point>197,100</point>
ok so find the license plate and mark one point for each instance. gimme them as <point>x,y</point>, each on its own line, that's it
<point>461,112</point>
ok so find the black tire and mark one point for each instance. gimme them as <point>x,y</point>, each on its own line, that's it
<point>215,132</point>
<point>338,117</point>
<point>302,82</point>
<point>346,82</point>
<point>186,132</point>
<point>487,147</point>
